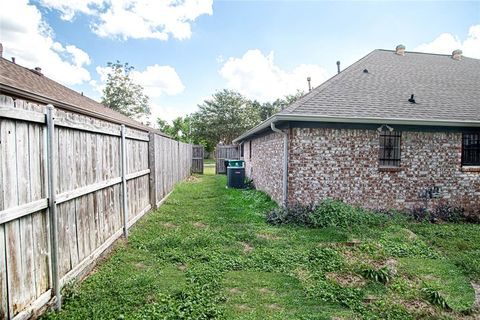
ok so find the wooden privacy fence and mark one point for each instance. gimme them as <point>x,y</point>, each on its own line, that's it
<point>222,153</point>
<point>70,186</point>
<point>197,159</point>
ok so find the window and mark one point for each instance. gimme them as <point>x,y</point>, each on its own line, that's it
<point>241,151</point>
<point>250,149</point>
<point>390,148</point>
<point>471,149</point>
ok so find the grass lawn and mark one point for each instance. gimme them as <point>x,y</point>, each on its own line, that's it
<point>208,253</point>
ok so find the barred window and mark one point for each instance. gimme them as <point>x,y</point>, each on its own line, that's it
<point>471,149</point>
<point>389,155</point>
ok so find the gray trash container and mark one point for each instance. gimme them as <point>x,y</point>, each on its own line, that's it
<point>236,177</point>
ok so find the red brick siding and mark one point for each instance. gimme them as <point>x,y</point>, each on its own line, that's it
<point>343,164</point>
<point>266,165</point>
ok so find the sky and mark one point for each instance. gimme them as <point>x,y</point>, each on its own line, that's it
<point>184,51</point>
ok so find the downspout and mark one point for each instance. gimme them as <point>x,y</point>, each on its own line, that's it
<point>285,162</point>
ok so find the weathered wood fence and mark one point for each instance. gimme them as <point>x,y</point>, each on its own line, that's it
<point>70,186</point>
<point>197,159</point>
<point>222,153</point>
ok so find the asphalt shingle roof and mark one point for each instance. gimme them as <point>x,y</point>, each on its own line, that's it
<point>444,89</point>
<point>27,80</point>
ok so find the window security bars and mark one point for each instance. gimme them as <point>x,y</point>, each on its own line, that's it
<point>389,155</point>
<point>471,149</point>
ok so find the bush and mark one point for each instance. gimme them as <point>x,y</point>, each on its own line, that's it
<point>328,213</point>
<point>442,212</point>
<point>334,213</point>
<point>381,275</point>
<point>296,214</point>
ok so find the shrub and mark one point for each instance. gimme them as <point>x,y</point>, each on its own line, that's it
<point>435,297</point>
<point>328,213</point>
<point>445,212</point>
<point>296,214</point>
<point>381,275</point>
<point>334,213</point>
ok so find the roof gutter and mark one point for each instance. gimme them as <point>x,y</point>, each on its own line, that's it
<point>285,163</point>
<point>42,99</point>
<point>371,120</point>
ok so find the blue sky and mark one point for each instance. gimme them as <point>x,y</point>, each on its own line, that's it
<point>264,49</point>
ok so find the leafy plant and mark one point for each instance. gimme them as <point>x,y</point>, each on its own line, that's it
<point>435,297</point>
<point>296,214</point>
<point>381,275</point>
<point>335,213</point>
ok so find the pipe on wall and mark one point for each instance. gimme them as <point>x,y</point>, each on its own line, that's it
<point>285,162</point>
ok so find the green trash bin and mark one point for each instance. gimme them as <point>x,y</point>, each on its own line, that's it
<point>235,163</point>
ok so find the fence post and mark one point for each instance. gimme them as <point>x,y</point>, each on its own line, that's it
<point>153,169</point>
<point>52,205</point>
<point>124,182</point>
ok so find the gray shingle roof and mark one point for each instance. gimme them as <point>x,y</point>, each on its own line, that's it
<point>444,89</point>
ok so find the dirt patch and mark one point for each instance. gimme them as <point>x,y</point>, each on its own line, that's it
<point>390,264</point>
<point>140,266</point>
<point>274,306</point>
<point>200,225</point>
<point>169,225</point>
<point>234,290</point>
<point>302,275</point>
<point>476,287</point>
<point>193,179</point>
<point>182,267</point>
<point>410,235</point>
<point>265,291</point>
<point>414,306</point>
<point>246,247</point>
<point>243,307</point>
<point>346,279</point>
<point>267,236</point>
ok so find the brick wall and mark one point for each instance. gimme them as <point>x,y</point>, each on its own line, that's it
<point>265,166</point>
<point>343,164</point>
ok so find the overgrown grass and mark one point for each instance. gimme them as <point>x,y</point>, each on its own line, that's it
<point>209,253</point>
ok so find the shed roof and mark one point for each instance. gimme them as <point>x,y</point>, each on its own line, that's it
<point>377,88</point>
<point>30,84</point>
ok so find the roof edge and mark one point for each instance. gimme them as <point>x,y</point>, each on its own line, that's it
<point>73,108</point>
<point>392,121</point>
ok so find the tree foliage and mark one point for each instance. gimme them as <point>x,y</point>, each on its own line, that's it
<point>122,94</point>
<point>222,118</point>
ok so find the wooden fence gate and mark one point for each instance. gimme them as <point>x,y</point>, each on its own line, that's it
<point>222,153</point>
<point>197,159</point>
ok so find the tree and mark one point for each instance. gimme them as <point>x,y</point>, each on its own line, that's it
<point>223,118</point>
<point>268,109</point>
<point>179,129</point>
<point>122,94</point>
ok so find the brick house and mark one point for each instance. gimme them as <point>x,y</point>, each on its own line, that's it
<point>391,130</point>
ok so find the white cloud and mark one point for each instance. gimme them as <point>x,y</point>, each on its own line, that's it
<point>31,41</point>
<point>168,112</point>
<point>68,8</point>
<point>447,42</point>
<point>256,76</point>
<point>137,19</point>
<point>158,80</point>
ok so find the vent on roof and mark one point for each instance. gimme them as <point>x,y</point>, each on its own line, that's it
<point>13,59</point>
<point>365,71</point>
<point>37,70</point>
<point>309,84</point>
<point>412,99</point>
<point>1,50</point>
<point>457,54</point>
<point>400,50</point>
